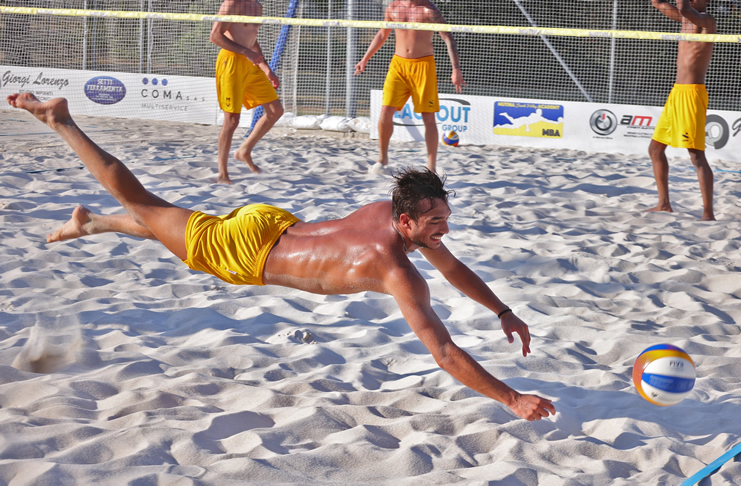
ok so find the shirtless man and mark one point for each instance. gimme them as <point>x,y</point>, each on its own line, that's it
<point>260,244</point>
<point>242,78</point>
<point>412,73</point>
<point>682,123</point>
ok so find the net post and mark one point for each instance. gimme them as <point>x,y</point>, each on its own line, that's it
<point>141,40</point>
<point>612,51</point>
<point>328,87</point>
<point>85,33</point>
<point>350,106</point>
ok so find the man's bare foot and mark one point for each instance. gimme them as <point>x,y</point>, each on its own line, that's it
<point>657,209</point>
<point>52,112</point>
<point>246,157</point>
<point>224,180</point>
<point>80,224</point>
<point>708,217</point>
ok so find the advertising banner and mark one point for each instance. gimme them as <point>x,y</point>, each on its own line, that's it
<point>124,95</point>
<point>593,127</point>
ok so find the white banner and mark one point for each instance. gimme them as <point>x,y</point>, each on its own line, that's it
<point>593,127</point>
<point>125,95</point>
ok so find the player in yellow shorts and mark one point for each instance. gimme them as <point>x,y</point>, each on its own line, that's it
<point>682,123</point>
<point>243,78</point>
<point>235,247</point>
<point>412,73</point>
<point>412,77</point>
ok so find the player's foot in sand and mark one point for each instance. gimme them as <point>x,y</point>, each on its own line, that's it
<point>660,208</point>
<point>52,112</point>
<point>707,217</point>
<point>245,156</point>
<point>224,179</point>
<point>80,224</point>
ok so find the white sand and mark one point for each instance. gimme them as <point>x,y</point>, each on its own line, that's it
<point>167,376</point>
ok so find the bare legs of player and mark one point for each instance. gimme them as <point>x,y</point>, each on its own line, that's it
<point>657,152</point>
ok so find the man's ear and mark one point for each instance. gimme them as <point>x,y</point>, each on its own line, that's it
<point>405,221</point>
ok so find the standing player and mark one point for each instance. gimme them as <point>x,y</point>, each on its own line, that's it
<point>682,123</point>
<point>242,78</point>
<point>412,72</point>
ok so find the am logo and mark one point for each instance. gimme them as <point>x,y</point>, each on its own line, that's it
<point>636,120</point>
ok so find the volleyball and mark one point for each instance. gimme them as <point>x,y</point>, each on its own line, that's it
<point>664,374</point>
<point>450,138</point>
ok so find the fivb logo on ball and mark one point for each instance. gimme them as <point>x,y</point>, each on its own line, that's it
<point>664,374</point>
<point>453,115</point>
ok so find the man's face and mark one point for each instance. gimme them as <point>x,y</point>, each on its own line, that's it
<point>431,225</point>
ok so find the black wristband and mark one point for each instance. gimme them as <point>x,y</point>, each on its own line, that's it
<point>504,312</point>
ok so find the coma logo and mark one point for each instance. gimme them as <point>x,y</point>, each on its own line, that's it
<point>603,122</point>
<point>716,132</point>
<point>105,90</point>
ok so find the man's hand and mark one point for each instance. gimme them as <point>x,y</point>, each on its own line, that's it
<point>273,78</point>
<point>360,67</point>
<point>457,79</point>
<point>255,58</point>
<point>532,407</point>
<point>511,323</point>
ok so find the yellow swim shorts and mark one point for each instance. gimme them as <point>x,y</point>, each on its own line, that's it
<point>235,247</point>
<point>239,82</point>
<point>412,77</point>
<point>682,123</point>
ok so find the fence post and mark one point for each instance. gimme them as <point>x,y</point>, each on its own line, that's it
<point>350,86</point>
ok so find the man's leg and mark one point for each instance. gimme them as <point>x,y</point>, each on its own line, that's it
<point>84,222</point>
<point>385,130</point>
<point>231,121</point>
<point>705,176</point>
<point>430,140</point>
<point>166,221</point>
<point>273,112</point>
<point>657,152</point>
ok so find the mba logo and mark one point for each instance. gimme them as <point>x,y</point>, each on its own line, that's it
<point>528,119</point>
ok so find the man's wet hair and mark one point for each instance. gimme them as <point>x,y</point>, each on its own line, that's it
<point>414,186</point>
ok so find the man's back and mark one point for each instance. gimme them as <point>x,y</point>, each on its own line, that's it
<point>413,44</point>
<point>357,253</point>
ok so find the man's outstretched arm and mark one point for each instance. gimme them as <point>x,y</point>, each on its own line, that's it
<point>413,296</point>
<point>465,280</point>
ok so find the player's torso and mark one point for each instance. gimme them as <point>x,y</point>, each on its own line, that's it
<point>693,58</point>
<point>412,44</point>
<point>241,33</point>
<point>342,256</point>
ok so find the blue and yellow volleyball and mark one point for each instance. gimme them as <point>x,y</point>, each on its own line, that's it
<point>664,374</point>
<point>450,138</point>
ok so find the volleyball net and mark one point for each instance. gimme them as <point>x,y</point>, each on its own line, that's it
<point>601,51</point>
